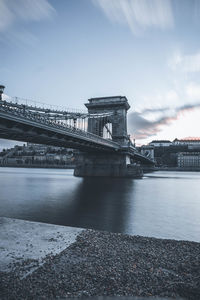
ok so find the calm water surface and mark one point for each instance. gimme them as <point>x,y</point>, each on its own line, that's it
<point>162,204</point>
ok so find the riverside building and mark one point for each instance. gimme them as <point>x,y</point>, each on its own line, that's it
<point>188,159</point>
<point>160,143</point>
<point>187,141</point>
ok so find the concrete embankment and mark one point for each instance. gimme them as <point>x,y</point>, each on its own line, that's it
<point>41,261</point>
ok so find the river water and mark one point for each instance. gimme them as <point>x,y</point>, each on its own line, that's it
<point>162,204</point>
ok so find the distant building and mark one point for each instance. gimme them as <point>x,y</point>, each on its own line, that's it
<point>188,159</point>
<point>39,158</point>
<point>37,154</point>
<point>160,143</point>
<point>187,141</point>
<point>52,157</point>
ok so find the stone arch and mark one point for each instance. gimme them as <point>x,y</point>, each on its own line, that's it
<point>118,107</point>
<point>107,130</point>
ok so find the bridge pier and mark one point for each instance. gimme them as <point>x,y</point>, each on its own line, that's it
<point>106,165</point>
<point>113,163</point>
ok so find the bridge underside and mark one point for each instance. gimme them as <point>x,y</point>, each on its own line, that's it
<point>27,132</point>
<point>97,156</point>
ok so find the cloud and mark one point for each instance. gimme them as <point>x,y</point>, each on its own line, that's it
<point>185,63</point>
<point>193,91</point>
<point>6,16</point>
<point>138,14</point>
<point>141,127</point>
<point>155,110</point>
<point>12,11</point>
<point>21,37</point>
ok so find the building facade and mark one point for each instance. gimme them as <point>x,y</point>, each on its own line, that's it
<point>187,141</point>
<point>188,159</point>
<point>160,143</point>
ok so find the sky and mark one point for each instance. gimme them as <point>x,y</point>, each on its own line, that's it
<point>65,52</point>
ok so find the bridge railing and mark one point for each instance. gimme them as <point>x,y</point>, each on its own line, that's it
<point>43,107</point>
<point>51,109</point>
<point>24,112</point>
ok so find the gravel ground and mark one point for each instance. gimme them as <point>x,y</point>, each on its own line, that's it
<point>110,264</point>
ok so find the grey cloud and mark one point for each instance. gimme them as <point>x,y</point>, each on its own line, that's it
<point>155,110</point>
<point>140,127</point>
<point>12,11</point>
<point>138,14</point>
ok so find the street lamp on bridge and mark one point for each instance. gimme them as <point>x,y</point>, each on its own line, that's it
<point>2,87</point>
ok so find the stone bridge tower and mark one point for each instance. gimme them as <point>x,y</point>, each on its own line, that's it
<point>113,111</point>
<point>117,106</point>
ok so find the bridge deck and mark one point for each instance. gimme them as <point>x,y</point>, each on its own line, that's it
<point>21,123</point>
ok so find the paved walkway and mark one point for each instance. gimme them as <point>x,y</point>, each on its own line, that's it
<point>31,241</point>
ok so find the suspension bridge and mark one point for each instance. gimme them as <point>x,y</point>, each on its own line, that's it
<point>99,134</point>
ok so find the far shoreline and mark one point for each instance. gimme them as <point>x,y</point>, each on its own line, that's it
<point>38,166</point>
<point>145,170</point>
<point>177,169</point>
